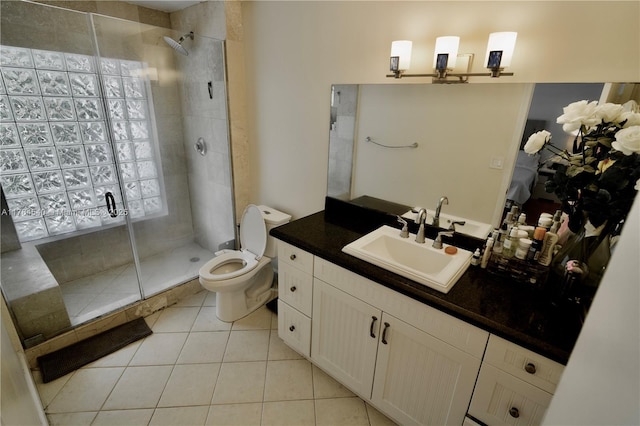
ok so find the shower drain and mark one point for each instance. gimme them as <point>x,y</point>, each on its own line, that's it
<point>194,259</point>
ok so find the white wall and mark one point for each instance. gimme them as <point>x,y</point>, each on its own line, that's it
<point>295,50</point>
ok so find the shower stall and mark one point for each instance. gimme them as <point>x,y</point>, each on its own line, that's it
<point>114,163</point>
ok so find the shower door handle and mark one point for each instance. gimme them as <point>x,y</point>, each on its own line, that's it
<point>111,204</point>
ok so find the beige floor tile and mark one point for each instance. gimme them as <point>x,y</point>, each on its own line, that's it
<point>260,319</point>
<point>208,321</point>
<point>274,322</point>
<point>240,382</point>
<point>341,411</point>
<point>324,386</point>
<point>119,358</point>
<point>71,419</point>
<point>191,416</point>
<point>124,417</point>
<point>278,350</point>
<point>159,349</point>
<point>247,346</point>
<point>235,415</point>
<point>48,391</point>
<point>210,300</point>
<point>376,418</point>
<point>139,387</point>
<point>190,384</point>
<point>288,380</point>
<point>204,347</point>
<point>151,319</point>
<point>293,413</point>
<point>86,390</point>
<point>174,319</point>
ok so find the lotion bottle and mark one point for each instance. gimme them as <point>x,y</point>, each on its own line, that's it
<point>487,253</point>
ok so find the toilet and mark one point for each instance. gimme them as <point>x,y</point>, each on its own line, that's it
<point>243,279</point>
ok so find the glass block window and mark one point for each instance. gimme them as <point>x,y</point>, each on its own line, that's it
<point>61,137</point>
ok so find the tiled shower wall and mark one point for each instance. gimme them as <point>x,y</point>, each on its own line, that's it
<point>341,139</point>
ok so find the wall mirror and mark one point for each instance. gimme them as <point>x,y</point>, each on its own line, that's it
<point>413,143</point>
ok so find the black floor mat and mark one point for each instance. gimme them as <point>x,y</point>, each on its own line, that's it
<point>66,360</point>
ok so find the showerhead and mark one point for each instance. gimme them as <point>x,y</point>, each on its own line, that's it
<point>177,45</point>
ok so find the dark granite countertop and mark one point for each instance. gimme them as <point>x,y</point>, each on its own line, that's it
<point>512,310</point>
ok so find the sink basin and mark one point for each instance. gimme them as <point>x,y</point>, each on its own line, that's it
<point>404,256</point>
<point>471,227</point>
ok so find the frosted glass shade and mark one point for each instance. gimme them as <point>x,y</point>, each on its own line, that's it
<point>402,49</point>
<point>504,42</point>
<point>447,45</point>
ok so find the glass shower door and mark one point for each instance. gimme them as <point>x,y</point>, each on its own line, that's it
<point>58,169</point>
<point>179,201</point>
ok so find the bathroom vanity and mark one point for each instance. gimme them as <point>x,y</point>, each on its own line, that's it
<point>489,350</point>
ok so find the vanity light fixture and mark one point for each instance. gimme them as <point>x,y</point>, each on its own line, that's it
<point>446,58</point>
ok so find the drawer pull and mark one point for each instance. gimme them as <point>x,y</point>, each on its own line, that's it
<point>373,322</point>
<point>291,328</point>
<point>293,288</point>
<point>530,368</point>
<point>384,333</point>
<point>292,257</point>
<point>514,412</point>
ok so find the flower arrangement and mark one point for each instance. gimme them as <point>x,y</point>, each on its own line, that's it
<point>598,181</point>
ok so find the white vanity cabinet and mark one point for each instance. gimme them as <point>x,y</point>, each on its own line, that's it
<point>515,385</point>
<point>295,287</point>
<point>414,363</point>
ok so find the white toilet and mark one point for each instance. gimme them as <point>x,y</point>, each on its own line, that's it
<point>243,279</point>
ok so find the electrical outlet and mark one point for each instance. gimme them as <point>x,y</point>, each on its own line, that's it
<point>496,163</point>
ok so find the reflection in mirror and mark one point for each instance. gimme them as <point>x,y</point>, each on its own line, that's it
<point>344,99</point>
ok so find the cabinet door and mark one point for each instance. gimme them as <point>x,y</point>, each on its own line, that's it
<point>294,328</point>
<point>502,399</point>
<point>344,337</point>
<point>420,379</point>
<point>295,287</point>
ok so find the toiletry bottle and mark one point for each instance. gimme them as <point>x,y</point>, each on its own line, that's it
<point>487,253</point>
<point>475,259</point>
<point>510,244</point>
<point>524,244</point>
<point>497,241</point>
<point>536,245</point>
<point>548,245</point>
<point>557,221</point>
<point>522,219</point>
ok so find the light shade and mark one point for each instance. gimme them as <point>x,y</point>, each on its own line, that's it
<point>500,49</point>
<point>402,49</point>
<point>446,45</point>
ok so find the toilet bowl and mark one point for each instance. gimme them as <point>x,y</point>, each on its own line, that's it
<point>243,279</point>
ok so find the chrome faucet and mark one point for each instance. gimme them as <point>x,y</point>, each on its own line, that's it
<point>436,218</point>
<point>437,243</point>
<point>420,219</point>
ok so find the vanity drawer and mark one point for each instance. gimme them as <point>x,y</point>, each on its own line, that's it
<point>294,328</point>
<point>295,287</point>
<point>502,399</point>
<point>523,363</point>
<point>295,256</point>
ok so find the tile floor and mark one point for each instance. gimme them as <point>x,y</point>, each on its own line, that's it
<point>90,297</point>
<point>197,370</point>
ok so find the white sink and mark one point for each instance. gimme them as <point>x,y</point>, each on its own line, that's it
<point>471,227</point>
<point>404,256</point>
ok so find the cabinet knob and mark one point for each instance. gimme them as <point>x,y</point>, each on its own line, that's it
<point>291,328</point>
<point>292,257</point>
<point>530,368</point>
<point>514,412</point>
<point>293,288</point>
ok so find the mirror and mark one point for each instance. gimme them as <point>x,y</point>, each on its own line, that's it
<point>468,138</point>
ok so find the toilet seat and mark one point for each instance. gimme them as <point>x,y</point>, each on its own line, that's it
<point>253,240</point>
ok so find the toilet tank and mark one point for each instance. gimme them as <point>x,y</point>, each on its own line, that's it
<point>272,218</point>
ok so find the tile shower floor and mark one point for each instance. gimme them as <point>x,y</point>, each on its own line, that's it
<point>89,297</point>
<point>197,370</point>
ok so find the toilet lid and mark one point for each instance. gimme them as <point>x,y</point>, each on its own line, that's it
<point>253,231</point>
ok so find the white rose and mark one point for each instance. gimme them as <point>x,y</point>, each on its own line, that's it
<point>609,113</point>
<point>633,119</point>
<point>578,114</point>
<point>537,141</point>
<point>628,140</point>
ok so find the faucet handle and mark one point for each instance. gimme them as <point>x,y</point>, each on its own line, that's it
<point>452,227</point>
<point>404,233</point>
<point>437,244</point>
